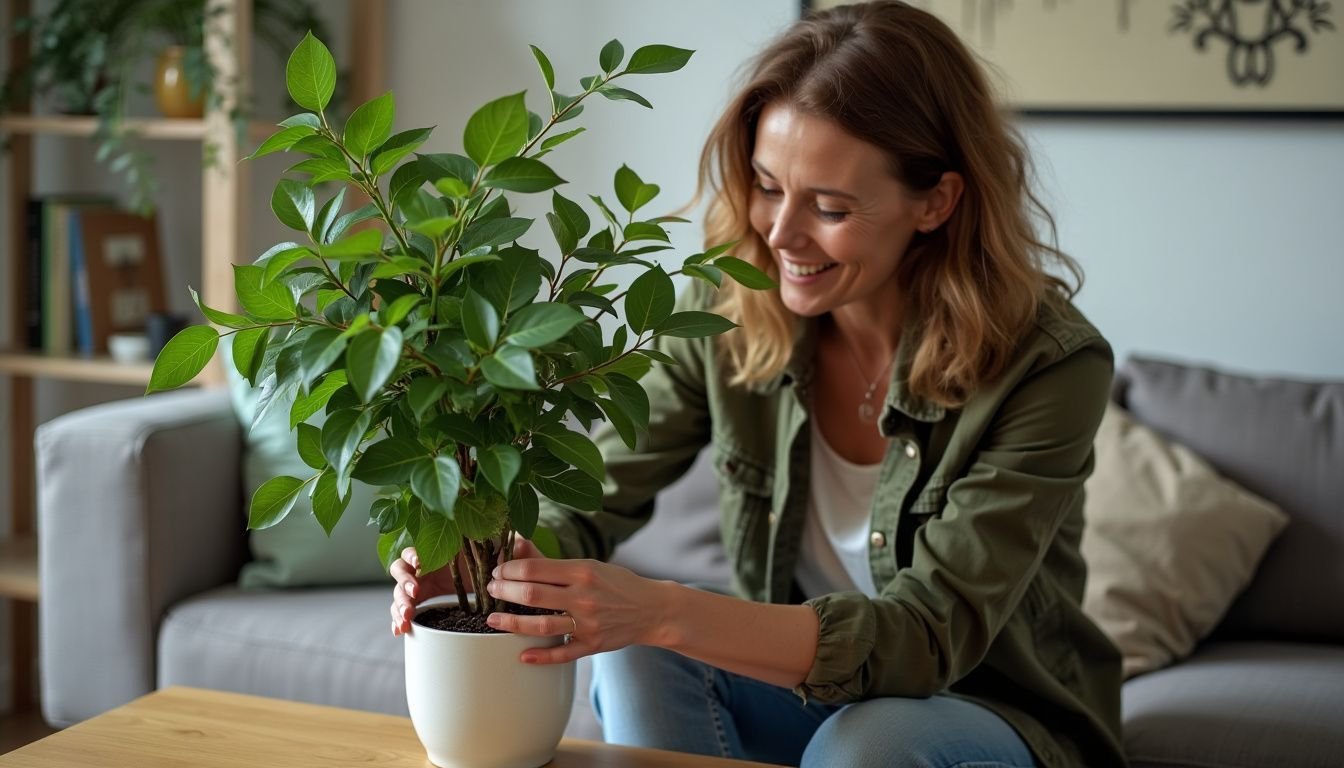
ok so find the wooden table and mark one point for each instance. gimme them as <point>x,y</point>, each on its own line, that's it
<point>182,727</point>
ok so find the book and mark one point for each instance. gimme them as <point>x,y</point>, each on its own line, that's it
<point>119,251</point>
<point>49,279</point>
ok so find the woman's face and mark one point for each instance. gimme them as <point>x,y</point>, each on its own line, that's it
<point>835,219</point>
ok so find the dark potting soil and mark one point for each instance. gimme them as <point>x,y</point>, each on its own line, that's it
<point>454,619</point>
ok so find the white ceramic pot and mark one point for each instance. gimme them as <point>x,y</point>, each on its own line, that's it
<point>475,705</point>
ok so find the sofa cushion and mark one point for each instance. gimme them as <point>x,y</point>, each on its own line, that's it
<point>1168,543</point>
<point>324,646</point>
<point>296,552</point>
<point>1282,440</point>
<point>1239,705</point>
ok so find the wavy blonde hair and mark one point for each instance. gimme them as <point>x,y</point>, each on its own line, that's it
<point>899,79</point>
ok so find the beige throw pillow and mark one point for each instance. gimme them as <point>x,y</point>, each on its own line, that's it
<point>1168,543</point>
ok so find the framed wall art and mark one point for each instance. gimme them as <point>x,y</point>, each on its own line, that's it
<point>1156,56</point>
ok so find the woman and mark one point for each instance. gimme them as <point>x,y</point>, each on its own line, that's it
<point>902,431</point>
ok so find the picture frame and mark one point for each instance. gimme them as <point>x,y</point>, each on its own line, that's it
<point>125,272</point>
<point>1150,57</point>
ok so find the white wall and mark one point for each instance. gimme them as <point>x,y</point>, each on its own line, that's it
<point>1215,241</point>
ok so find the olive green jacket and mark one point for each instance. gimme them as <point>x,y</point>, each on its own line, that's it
<point>976,522</point>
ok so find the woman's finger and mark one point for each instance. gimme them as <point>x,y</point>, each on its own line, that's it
<point>409,555</point>
<point>550,625</point>
<point>576,648</point>
<point>528,593</point>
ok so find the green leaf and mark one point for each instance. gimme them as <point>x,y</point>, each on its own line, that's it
<point>481,516</point>
<point>302,118</point>
<point>423,393</point>
<point>268,302</point>
<point>572,488</point>
<point>437,165</point>
<point>551,142</point>
<point>510,367</point>
<point>497,130</point>
<point>328,503</point>
<point>371,359</point>
<point>370,125</point>
<point>364,243</point>
<point>630,397</point>
<point>500,465</point>
<point>709,274</point>
<point>654,59</point>
<point>611,219</point>
<point>436,482</point>
<point>610,57</point>
<point>452,187</point>
<point>310,446</point>
<point>563,237</point>
<point>387,515</point>
<point>226,319</point>
<point>522,174</point>
<point>281,141</point>
<point>623,94</point>
<point>433,228</point>
<point>544,64</point>
<point>572,214</point>
<point>437,541</point>
<point>547,543</point>
<point>693,325</point>
<point>310,74</point>
<point>342,434</point>
<point>480,321</point>
<point>627,187</point>
<point>389,461</point>
<point>482,234</point>
<point>397,147</point>
<point>574,448</point>
<point>294,204</point>
<point>745,273</point>
<point>272,501</point>
<point>406,180</point>
<point>399,309</point>
<point>317,399</point>
<point>650,300</point>
<point>323,169</point>
<point>328,215</point>
<point>621,421</point>
<point>524,510</point>
<point>540,324</point>
<point>643,230</point>
<point>249,350</point>
<point>319,145</point>
<point>184,356</point>
<point>462,262</point>
<point>320,350</point>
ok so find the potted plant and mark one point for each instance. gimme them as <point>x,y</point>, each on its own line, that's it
<point>84,52</point>
<point>447,359</point>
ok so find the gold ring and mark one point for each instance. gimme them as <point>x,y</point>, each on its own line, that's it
<point>575,622</point>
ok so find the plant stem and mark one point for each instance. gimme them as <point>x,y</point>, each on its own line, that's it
<point>457,585</point>
<point>470,557</point>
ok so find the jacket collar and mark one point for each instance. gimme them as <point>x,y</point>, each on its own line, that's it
<point>798,373</point>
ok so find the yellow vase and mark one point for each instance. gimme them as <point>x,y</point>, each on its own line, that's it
<point>170,86</point>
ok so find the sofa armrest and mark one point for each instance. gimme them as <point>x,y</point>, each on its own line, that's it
<point>139,505</point>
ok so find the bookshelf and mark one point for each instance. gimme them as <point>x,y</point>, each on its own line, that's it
<point>223,238</point>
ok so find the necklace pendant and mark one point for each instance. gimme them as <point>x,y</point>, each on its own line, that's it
<point>867,413</point>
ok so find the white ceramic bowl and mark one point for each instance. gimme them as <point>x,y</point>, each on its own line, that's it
<point>128,347</point>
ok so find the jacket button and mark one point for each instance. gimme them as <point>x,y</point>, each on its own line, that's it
<point>772,517</point>
<point>910,450</point>
<point>878,539</point>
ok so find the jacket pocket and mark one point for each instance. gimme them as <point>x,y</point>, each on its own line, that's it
<point>746,490</point>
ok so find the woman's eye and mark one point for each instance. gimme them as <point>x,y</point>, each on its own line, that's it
<point>832,216</point>
<point>768,192</point>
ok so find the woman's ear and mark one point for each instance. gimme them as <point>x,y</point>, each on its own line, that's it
<point>941,201</point>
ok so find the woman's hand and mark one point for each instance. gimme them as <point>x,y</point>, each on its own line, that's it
<point>412,589</point>
<point>606,607</point>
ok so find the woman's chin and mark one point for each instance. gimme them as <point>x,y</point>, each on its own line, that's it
<point>804,305</point>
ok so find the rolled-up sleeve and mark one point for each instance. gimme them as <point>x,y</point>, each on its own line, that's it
<point>972,563</point>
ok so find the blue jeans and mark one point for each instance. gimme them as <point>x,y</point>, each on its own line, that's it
<point>650,697</point>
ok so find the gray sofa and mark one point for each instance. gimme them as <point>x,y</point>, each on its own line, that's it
<point>141,540</point>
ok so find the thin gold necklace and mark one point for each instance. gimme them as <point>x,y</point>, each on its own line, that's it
<point>867,411</point>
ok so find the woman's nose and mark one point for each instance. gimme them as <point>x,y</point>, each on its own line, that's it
<point>785,232</point>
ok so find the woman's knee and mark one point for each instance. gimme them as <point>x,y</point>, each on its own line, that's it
<point>939,732</point>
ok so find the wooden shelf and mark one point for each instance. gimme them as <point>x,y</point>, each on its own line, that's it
<point>144,127</point>
<point>99,369</point>
<point>18,568</point>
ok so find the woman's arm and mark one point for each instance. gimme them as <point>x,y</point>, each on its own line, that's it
<point>611,608</point>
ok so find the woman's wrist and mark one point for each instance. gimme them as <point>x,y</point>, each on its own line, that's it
<point>664,629</point>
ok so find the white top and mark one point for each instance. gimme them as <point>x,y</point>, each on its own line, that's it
<point>834,552</point>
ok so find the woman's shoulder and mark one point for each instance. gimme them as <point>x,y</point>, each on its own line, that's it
<point>1061,326</point>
